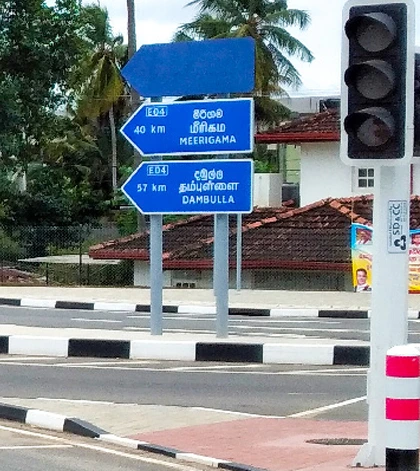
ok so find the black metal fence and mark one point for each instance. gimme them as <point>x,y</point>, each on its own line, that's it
<point>58,256</point>
<point>52,255</point>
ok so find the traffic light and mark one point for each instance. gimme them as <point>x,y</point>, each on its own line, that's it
<point>377,83</point>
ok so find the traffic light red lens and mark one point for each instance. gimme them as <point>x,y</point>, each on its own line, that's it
<point>374,32</point>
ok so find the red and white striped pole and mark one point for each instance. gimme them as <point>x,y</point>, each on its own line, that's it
<point>402,408</point>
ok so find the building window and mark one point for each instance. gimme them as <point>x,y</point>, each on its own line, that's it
<point>365,177</point>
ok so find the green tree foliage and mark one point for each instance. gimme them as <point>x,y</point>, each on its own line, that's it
<point>53,58</point>
<point>100,92</point>
<point>39,46</point>
<point>266,21</point>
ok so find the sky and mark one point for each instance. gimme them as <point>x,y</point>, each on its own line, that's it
<point>157,21</point>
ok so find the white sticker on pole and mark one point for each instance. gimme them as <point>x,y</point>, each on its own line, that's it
<point>398,226</point>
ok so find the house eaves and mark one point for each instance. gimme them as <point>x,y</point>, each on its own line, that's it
<point>314,237</point>
<point>318,127</point>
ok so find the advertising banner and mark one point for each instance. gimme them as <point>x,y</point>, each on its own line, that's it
<point>361,254</point>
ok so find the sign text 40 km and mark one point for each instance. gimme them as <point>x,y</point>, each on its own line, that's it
<point>192,127</point>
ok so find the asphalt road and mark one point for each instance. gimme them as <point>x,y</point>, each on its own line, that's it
<point>295,328</point>
<point>23,449</point>
<point>277,390</point>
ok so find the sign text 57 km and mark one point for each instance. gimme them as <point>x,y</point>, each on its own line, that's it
<point>192,127</point>
<point>191,186</point>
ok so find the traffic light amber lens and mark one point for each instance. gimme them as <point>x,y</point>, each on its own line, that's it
<point>374,32</point>
<point>374,85</point>
<point>372,79</point>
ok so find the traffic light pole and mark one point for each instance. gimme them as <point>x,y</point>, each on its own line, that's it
<point>389,302</point>
<point>377,123</point>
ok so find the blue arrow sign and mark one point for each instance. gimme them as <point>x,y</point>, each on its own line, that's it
<point>192,127</point>
<point>193,68</point>
<point>191,186</point>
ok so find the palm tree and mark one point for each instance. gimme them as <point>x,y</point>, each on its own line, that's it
<point>131,28</point>
<point>102,84</point>
<point>135,97</point>
<point>132,47</point>
<point>265,21</point>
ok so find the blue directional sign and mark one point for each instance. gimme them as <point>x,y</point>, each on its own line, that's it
<point>191,186</point>
<point>193,68</point>
<point>192,127</point>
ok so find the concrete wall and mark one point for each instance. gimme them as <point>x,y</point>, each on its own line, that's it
<point>323,175</point>
<point>142,275</point>
<point>267,189</point>
<point>305,280</point>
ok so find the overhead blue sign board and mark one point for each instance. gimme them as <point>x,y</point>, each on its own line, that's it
<point>191,186</point>
<point>192,127</point>
<point>193,68</point>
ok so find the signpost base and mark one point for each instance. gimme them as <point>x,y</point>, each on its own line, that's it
<point>368,456</point>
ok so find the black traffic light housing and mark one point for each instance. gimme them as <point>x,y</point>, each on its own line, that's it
<point>378,52</point>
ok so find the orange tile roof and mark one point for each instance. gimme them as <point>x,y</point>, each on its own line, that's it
<point>316,236</point>
<point>316,127</point>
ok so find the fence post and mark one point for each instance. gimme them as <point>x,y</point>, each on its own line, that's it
<point>402,408</point>
<point>80,254</point>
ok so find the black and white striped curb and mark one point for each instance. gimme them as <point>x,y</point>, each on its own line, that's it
<point>186,350</point>
<point>61,423</point>
<point>196,309</point>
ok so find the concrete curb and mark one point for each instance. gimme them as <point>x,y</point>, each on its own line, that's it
<point>196,309</point>
<point>60,423</point>
<point>186,350</point>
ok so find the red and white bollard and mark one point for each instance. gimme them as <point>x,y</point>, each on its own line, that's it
<point>402,408</point>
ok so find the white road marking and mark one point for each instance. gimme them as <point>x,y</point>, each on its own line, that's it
<point>136,457</point>
<point>106,363</point>
<point>228,368</point>
<point>178,331</point>
<point>33,447</point>
<point>216,367</point>
<point>31,434</point>
<point>107,321</point>
<point>307,329</point>
<point>245,414</point>
<point>318,410</point>
<point>8,358</point>
<point>102,449</point>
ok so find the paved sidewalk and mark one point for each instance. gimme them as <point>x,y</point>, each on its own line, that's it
<point>263,299</point>
<point>220,439</point>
